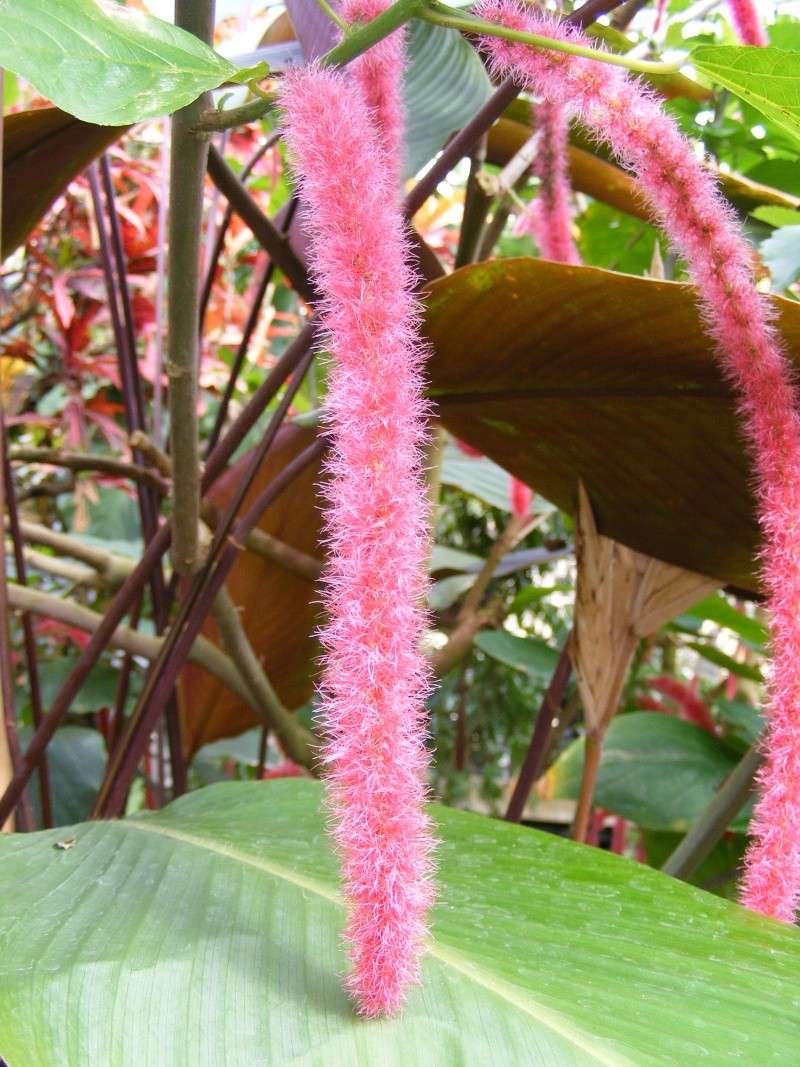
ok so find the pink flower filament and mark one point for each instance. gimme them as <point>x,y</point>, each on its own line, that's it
<point>684,197</point>
<point>549,215</point>
<point>379,72</point>
<point>375,678</point>
<point>747,22</point>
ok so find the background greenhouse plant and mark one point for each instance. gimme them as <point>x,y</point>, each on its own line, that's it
<point>215,924</point>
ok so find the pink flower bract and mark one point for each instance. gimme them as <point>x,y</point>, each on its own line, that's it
<point>684,198</point>
<point>375,678</point>
<point>379,71</point>
<point>748,24</point>
<point>549,215</point>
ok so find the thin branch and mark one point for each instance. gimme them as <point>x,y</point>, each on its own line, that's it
<point>472,618</point>
<point>258,541</point>
<point>28,637</point>
<point>188,158</point>
<point>533,763</point>
<point>89,461</point>
<point>297,742</point>
<point>264,230</point>
<point>265,544</point>
<point>195,607</point>
<point>716,819</point>
<point>111,567</point>
<point>476,207</point>
<point>203,652</point>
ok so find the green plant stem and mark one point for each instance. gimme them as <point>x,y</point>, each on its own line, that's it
<point>203,652</point>
<point>593,752</point>
<point>358,38</point>
<point>362,36</point>
<point>326,9</point>
<point>88,461</point>
<point>714,821</point>
<point>187,173</point>
<point>297,742</point>
<point>440,15</point>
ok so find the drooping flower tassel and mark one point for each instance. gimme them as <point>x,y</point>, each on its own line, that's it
<point>549,215</point>
<point>747,22</point>
<point>683,196</point>
<point>375,678</point>
<point>379,71</point>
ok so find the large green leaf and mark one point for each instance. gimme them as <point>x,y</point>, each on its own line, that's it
<point>76,761</point>
<point>210,933</point>
<point>43,150</point>
<point>767,78</point>
<point>106,63</point>
<point>446,83</point>
<point>656,770</point>
<point>529,654</point>
<point>563,374</point>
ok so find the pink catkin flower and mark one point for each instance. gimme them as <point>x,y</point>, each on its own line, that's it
<point>375,677</point>
<point>520,497</point>
<point>684,197</point>
<point>549,216</point>
<point>747,22</point>
<point>379,72</point>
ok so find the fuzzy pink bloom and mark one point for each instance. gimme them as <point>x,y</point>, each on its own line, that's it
<point>375,677</point>
<point>549,215</point>
<point>661,9</point>
<point>684,197</point>
<point>520,497</point>
<point>379,72</point>
<point>748,24</point>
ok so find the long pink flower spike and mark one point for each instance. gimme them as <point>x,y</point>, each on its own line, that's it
<point>549,216</point>
<point>379,72</point>
<point>684,197</point>
<point>747,22</point>
<point>375,677</point>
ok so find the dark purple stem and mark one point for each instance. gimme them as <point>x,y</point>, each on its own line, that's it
<point>24,817</point>
<point>111,798</point>
<point>219,242</point>
<point>244,344</point>
<point>532,764</point>
<point>28,637</point>
<point>114,263</point>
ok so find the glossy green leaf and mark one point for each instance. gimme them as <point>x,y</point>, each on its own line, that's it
<point>767,78</point>
<point>76,762</point>
<point>529,654</point>
<point>718,609</point>
<point>776,216</point>
<point>477,476</point>
<point>741,720</point>
<point>106,63</point>
<point>210,933</point>
<point>446,83</point>
<point>716,656</point>
<point>657,770</point>
<point>780,254</point>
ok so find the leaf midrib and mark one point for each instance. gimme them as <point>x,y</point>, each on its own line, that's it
<point>449,956</point>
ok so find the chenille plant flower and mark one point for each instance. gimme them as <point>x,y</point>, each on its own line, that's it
<point>747,22</point>
<point>375,677</point>
<point>379,71</point>
<point>684,198</point>
<point>549,215</point>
